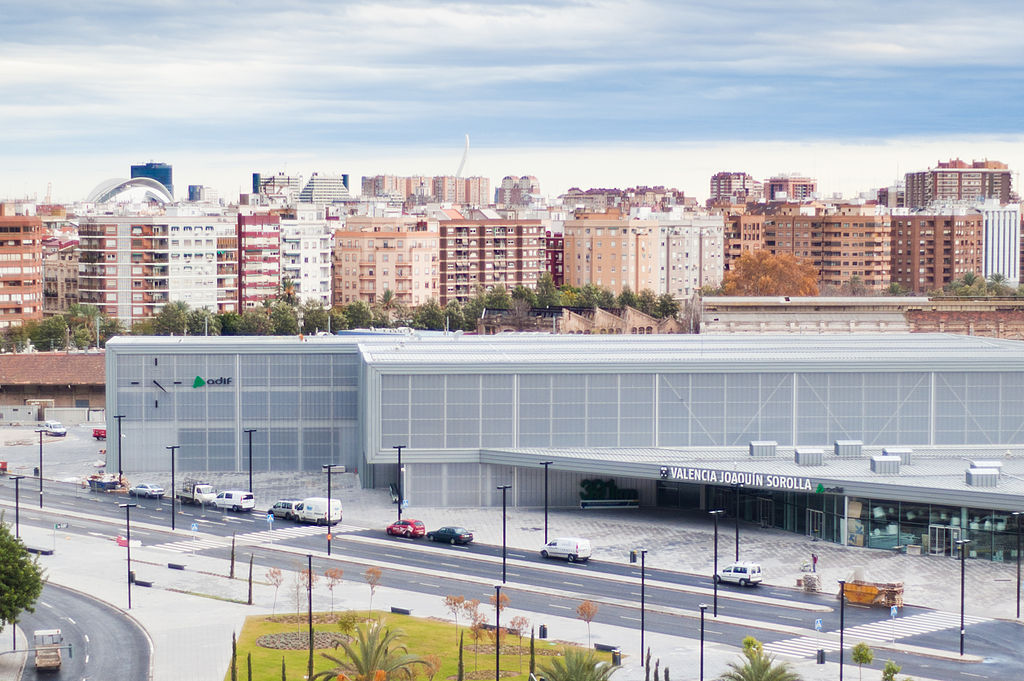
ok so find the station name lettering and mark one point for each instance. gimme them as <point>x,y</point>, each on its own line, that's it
<point>721,477</point>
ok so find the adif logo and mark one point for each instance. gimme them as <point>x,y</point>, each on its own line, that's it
<point>200,381</point>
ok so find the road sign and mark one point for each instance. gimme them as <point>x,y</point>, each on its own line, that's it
<point>817,624</point>
<point>60,526</point>
<point>893,611</point>
<point>195,526</point>
<point>270,518</point>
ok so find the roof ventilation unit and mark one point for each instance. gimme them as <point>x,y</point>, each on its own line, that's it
<point>982,477</point>
<point>763,449</point>
<point>904,453</point>
<point>849,449</point>
<point>996,465</point>
<point>885,465</point>
<point>806,456</point>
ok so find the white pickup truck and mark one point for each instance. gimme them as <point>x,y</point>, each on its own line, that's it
<point>48,644</point>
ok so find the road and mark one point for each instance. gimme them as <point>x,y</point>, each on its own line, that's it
<point>106,644</point>
<point>557,588</point>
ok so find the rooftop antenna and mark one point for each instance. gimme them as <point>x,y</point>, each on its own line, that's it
<point>465,155</point>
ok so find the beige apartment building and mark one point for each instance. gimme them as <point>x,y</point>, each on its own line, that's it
<point>60,276</point>
<point>373,255</point>
<point>488,253</point>
<point>612,251</point>
<point>21,269</point>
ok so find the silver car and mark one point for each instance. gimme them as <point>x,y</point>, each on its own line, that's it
<point>146,490</point>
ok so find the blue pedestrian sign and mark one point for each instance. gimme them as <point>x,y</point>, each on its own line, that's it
<point>817,624</point>
<point>893,611</point>
<point>270,518</point>
<point>195,526</point>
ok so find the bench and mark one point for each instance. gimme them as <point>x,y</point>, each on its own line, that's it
<point>143,582</point>
<point>609,503</point>
<point>401,611</point>
<point>176,566</point>
<point>40,551</point>
<point>605,647</point>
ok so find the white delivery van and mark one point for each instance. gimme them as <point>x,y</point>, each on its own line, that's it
<point>571,548</point>
<point>235,500</point>
<point>741,573</point>
<point>314,510</point>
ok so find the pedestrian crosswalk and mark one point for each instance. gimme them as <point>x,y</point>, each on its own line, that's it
<point>883,630</point>
<point>251,538</point>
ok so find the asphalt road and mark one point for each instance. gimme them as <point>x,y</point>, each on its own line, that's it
<point>549,586</point>
<point>105,643</point>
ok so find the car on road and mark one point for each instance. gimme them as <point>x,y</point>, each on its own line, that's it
<point>743,573</point>
<point>451,534</point>
<point>235,500</point>
<point>144,489</point>
<point>572,549</point>
<point>407,528</point>
<point>285,508</point>
<point>55,428</point>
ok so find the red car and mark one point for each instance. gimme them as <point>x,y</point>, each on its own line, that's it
<point>408,528</point>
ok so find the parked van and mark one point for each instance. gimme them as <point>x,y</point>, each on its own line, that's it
<point>571,548</point>
<point>55,428</point>
<point>741,573</point>
<point>314,510</point>
<point>235,500</point>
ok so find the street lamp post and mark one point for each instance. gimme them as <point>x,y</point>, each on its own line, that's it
<point>17,507</point>
<point>739,486</point>
<point>309,615</point>
<point>250,431</point>
<point>399,448</point>
<point>504,544</point>
<point>1018,514</point>
<point>961,544</point>
<point>643,594</point>
<point>329,467</point>
<point>40,431</point>
<point>128,544</point>
<point>120,469</point>
<point>842,623</point>
<point>548,463</point>
<point>714,575</point>
<point>703,607</point>
<point>173,449</point>
<point>497,632</point>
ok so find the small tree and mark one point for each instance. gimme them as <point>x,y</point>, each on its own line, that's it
<point>234,658</point>
<point>231,572</point>
<point>275,577</point>
<point>862,655</point>
<point>248,665</point>
<point>333,576</point>
<point>517,625</point>
<point>586,611</point>
<point>372,576</point>
<point>477,625</point>
<point>431,665</point>
<point>890,671</point>
<point>250,579</point>
<point>21,576</point>
<point>499,605</point>
<point>454,606</point>
<point>533,652</point>
<point>462,669</point>
<point>284,673</point>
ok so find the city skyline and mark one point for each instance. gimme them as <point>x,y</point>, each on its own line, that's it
<point>586,94</point>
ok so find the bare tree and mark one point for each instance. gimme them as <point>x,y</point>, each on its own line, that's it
<point>454,606</point>
<point>333,576</point>
<point>499,604</point>
<point>372,576</point>
<point>586,611</point>
<point>275,577</point>
<point>518,626</point>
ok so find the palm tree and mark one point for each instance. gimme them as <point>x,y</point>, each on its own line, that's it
<point>374,648</point>
<point>758,666</point>
<point>577,665</point>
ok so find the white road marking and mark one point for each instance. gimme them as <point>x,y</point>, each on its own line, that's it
<point>573,583</point>
<point>87,658</point>
<point>70,620</point>
<point>625,617</point>
<point>46,604</point>
<point>86,637</point>
<point>563,607</point>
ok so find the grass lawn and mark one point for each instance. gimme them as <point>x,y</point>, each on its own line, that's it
<point>423,637</point>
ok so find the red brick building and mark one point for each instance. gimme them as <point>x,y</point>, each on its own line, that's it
<point>487,253</point>
<point>53,379</point>
<point>929,250</point>
<point>554,257</point>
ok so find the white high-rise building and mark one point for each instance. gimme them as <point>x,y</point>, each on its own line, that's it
<point>1001,240</point>
<point>691,247</point>
<point>306,248</point>
<point>325,189</point>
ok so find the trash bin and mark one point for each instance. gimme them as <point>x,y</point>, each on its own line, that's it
<point>131,577</point>
<point>543,631</point>
<point>821,656</point>
<point>35,471</point>
<point>617,658</point>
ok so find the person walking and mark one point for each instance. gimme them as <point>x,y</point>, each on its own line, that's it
<point>814,562</point>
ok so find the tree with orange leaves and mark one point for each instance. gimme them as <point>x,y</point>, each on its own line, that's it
<point>759,273</point>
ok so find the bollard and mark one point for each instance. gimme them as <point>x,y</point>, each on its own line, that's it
<point>543,631</point>
<point>617,658</point>
<point>821,656</point>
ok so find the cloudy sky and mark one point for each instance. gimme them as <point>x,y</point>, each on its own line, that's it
<point>585,93</point>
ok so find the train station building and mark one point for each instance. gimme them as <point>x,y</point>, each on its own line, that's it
<point>908,441</point>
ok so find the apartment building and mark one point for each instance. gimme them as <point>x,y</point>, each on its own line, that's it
<point>488,252</point>
<point>516,192</point>
<point>306,251</point>
<point>130,266</point>
<point>472,191</point>
<point>21,269</point>
<point>554,256</point>
<point>735,187</point>
<point>1001,240</point>
<point>956,180</point>
<point>373,254</point>
<point>259,259</point>
<point>932,248</point>
<point>325,189</point>
<point>414,190</point>
<point>690,252</point>
<point>613,251</point>
<point>841,241</point>
<point>790,188</point>
<point>60,275</point>
<point>744,232</point>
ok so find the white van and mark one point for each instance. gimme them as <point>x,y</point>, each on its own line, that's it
<point>235,500</point>
<point>741,573</point>
<point>54,428</point>
<point>571,548</point>
<point>314,510</point>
